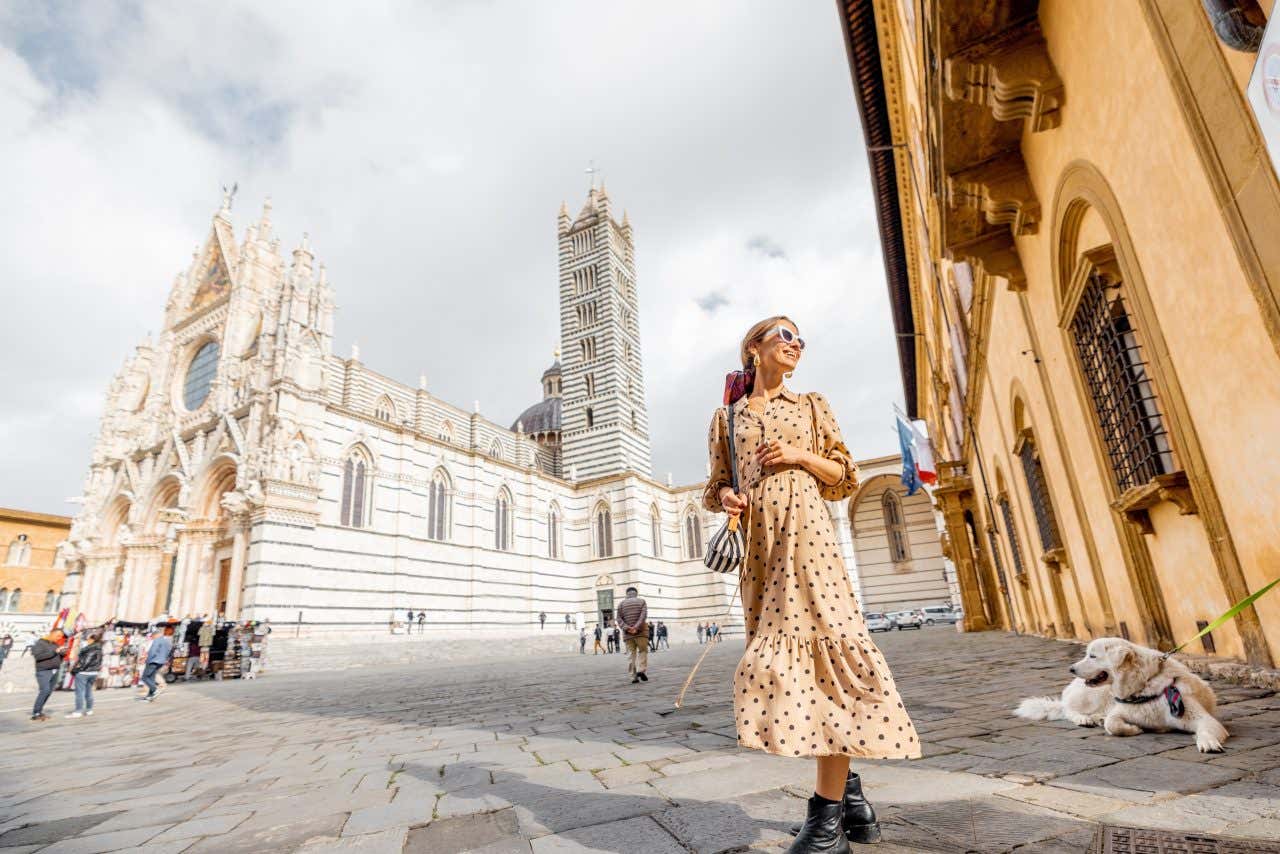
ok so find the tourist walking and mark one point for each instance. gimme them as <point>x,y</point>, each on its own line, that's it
<point>598,648</point>
<point>6,644</point>
<point>47,652</point>
<point>566,622</point>
<point>422,619</point>
<point>542,620</point>
<point>617,637</point>
<point>633,616</point>
<point>85,674</point>
<point>713,631</point>
<point>582,640</point>
<point>700,631</point>
<point>662,635</point>
<point>653,644</point>
<point>808,656</point>
<point>157,658</point>
<point>205,637</point>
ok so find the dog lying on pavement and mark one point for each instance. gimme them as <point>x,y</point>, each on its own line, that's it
<point>1126,689</point>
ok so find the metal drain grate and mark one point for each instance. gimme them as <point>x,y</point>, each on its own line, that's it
<point>1137,840</point>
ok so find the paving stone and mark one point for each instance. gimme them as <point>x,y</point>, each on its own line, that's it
<point>453,804</point>
<point>212,825</point>
<point>630,835</point>
<point>567,811</point>
<point>1069,801</point>
<point>389,841</point>
<point>99,842</point>
<point>629,775</point>
<point>51,831</point>
<point>709,827</point>
<point>1150,775</point>
<point>463,833</point>
<point>278,834</point>
<point>398,813</point>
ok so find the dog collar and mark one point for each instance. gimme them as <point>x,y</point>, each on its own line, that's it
<point>1171,695</point>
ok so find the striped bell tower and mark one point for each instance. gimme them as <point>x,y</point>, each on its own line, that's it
<point>605,423</point>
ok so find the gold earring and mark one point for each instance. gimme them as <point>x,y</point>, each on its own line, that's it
<point>755,360</point>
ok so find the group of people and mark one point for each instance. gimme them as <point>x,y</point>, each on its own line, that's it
<point>161,645</point>
<point>609,640</point>
<point>710,632</point>
<point>420,618</point>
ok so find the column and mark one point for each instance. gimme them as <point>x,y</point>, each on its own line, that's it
<point>125,592</point>
<point>239,548</point>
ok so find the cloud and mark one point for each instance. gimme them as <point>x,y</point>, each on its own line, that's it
<point>711,302</point>
<point>763,245</point>
<point>426,148</point>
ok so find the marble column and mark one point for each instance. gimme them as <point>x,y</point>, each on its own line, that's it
<point>235,584</point>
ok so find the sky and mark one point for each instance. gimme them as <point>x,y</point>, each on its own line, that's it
<point>426,148</point>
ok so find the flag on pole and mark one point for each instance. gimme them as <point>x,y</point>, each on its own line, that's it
<point>925,465</point>
<point>906,440</point>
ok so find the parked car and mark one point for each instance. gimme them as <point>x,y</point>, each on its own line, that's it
<point>939,614</point>
<point>906,620</point>
<point>878,623</point>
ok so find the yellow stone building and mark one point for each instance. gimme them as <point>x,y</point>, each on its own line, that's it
<point>31,575</point>
<point>1081,233</point>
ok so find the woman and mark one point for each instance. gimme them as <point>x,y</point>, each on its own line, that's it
<point>811,682</point>
<point>85,672</point>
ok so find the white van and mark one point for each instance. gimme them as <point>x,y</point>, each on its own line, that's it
<point>939,614</point>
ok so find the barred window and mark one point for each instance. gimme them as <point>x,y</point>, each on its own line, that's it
<point>1120,390</point>
<point>1015,546</point>
<point>1041,503</point>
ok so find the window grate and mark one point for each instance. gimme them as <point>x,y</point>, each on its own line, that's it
<point>1123,398</point>
<point>1041,503</point>
<point>1015,546</point>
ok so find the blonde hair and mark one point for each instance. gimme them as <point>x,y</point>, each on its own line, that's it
<point>756,334</point>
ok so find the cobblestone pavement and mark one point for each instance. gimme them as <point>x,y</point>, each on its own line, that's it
<point>563,754</point>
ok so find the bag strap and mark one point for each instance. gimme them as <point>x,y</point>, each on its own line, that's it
<point>813,412</point>
<point>733,451</point>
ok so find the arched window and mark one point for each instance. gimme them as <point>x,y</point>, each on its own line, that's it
<point>15,599</point>
<point>1038,488</point>
<point>692,535</point>
<point>357,489</point>
<point>1015,545</point>
<point>502,519</point>
<point>4,599</point>
<point>50,601</point>
<point>445,433</point>
<point>384,409</point>
<point>495,449</point>
<point>591,418</point>
<point>553,530</point>
<point>439,506</point>
<point>895,530</point>
<point>602,531</point>
<point>1120,390</point>
<point>19,551</point>
<point>655,531</point>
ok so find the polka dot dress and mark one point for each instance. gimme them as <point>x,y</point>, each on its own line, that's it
<point>811,682</point>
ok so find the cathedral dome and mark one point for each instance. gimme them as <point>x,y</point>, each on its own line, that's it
<point>542,417</point>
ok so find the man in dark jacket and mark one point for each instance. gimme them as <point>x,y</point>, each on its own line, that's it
<point>6,644</point>
<point>48,655</point>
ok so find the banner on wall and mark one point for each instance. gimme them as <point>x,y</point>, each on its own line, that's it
<point>1264,90</point>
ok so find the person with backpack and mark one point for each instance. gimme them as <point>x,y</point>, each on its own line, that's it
<point>85,674</point>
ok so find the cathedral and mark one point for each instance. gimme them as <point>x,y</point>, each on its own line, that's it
<point>244,469</point>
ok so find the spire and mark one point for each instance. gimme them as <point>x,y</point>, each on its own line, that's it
<point>422,381</point>
<point>302,258</point>
<point>355,351</point>
<point>264,224</point>
<point>626,219</point>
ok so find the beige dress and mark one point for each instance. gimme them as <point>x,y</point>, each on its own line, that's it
<point>811,682</point>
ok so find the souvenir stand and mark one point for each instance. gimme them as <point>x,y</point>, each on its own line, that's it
<point>123,645</point>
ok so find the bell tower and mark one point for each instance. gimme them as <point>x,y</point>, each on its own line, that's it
<point>605,422</point>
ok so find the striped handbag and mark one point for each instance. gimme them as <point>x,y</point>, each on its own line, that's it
<point>726,549</point>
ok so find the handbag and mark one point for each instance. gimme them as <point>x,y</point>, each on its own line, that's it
<point>725,551</point>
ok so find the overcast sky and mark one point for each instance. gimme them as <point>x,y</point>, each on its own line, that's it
<point>426,148</point>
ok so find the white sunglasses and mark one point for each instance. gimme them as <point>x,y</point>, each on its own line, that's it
<point>787,336</point>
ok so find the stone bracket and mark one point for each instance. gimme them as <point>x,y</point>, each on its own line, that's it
<point>992,254</point>
<point>1136,502</point>
<point>1015,80</point>
<point>1001,189</point>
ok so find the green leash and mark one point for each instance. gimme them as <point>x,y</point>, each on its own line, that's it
<point>1235,609</point>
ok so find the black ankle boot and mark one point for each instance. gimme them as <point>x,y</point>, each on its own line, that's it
<point>821,832</point>
<point>860,823</point>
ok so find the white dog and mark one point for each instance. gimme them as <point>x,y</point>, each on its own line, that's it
<point>1129,688</point>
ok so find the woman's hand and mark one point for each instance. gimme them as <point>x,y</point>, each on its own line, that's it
<point>733,502</point>
<point>775,453</point>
